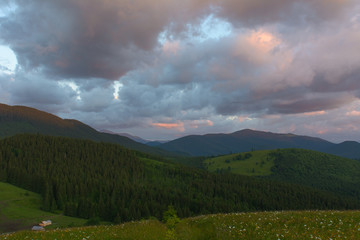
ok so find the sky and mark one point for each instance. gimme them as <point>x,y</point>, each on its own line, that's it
<point>163,69</point>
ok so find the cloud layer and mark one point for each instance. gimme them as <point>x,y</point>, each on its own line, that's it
<point>166,68</point>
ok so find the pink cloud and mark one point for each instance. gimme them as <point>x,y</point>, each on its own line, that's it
<point>353,113</point>
<point>315,113</point>
<point>322,131</point>
<point>200,123</point>
<point>244,118</point>
<point>171,48</point>
<point>256,46</point>
<point>179,126</point>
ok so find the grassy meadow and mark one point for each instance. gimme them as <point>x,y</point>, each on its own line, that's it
<point>254,163</point>
<point>256,225</point>
<point>273,225</point>
<point>21,209</point>
<point>148,229</point>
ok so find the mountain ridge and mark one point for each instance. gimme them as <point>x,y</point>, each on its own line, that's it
<point>249,140</point>
<point>21,119</point>
<point>132,137</point>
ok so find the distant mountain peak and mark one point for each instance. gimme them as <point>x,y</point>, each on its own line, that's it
<point>349,142</point>
<point>251,132</point>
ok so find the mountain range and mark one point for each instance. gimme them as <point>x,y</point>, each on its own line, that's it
<point>250,140</point>
<point>20,119</point>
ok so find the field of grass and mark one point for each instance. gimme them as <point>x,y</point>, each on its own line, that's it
<point>20,209</point>
<point>257,225</point>
<point>273,225</point>
<point>148,229</point>
<point>255,164</point>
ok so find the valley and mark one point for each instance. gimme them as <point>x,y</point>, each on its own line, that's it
<point>194,120</point>
<point>74,175</point>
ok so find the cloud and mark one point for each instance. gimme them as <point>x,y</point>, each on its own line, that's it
<point>81,39</point>
<point>171,47</point>
<point>353,113</point>
<point>182,126</point>
<point>253,13</point>
<point>91,38</point>
<point>35,90</point>
<point>179,126</point>
<point>106,39</point>
<point>154,67</point>
<point>315,113</point>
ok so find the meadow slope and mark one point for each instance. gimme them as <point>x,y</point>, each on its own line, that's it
<point>21,209</point>
<point>257,225</point>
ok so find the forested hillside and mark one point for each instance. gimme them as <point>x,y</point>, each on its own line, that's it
<point>89,179</point>
<point>310,168</point>
<point>319,170</point>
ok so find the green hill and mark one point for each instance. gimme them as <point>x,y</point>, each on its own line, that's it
<point>250,163</point>
<point>305,167</point>
<point>21,209</point>
<point>86,179</point>
<point>255,226</point>
<point>19,119</point>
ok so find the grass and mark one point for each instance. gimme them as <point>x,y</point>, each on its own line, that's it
<point>273,225</point>
<point>147,229</point>
<point>20,209</point>
<point>256,165</point>
<point>151,162</point>
<point>257,225</point>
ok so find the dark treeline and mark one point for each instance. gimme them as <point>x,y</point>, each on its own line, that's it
<point>87,179</point>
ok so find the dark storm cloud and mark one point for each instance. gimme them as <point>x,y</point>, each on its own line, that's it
<point>257,12</point>
<point>37,91</point>
<point>312,104</point>
<point>82,38</point>
<point>349,82</point>
<point>106,39</point>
